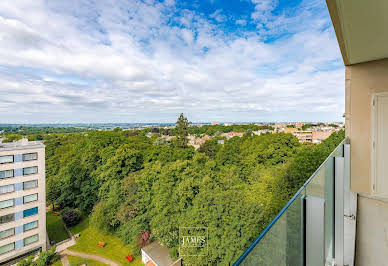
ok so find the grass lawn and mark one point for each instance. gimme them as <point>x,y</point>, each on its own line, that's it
<point>57,263</point>
<point>55,228</point>
<point>76,261</point>
<point>114,248</point>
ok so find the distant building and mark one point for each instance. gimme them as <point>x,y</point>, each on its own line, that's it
<point>280,125</point>
<point>157,255</point>
<point>290,130</point>
<point>230,135</point>
<point>221,141</point>
<point>299,124</point>
<point>304,136</point>
<point>197,142</point>
<point>22,199</point>
<point>319,136</point>
<point>262,131</point>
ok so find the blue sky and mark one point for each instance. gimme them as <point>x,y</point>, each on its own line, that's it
<point>148,61</point>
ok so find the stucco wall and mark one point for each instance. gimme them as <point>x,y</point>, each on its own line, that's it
<point>372,232</point>
<point>362,80</point>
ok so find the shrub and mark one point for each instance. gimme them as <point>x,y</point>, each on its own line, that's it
<point>45,258</point>
<point>144,238</point>
<point>70,217</point>
<point>101,218</point>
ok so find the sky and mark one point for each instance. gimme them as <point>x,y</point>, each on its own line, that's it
<point>127,61</point>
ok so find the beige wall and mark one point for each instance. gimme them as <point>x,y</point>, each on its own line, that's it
<point>372,232</point>
<point>362,80</point>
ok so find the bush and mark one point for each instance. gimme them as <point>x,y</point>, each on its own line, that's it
<point>70,217</point>
<point>45,258</point>
<point>101,218</point>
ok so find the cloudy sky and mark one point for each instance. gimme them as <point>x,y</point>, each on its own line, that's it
<point>148,61</point>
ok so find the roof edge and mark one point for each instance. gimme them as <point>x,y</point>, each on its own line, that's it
<point>335,19</point>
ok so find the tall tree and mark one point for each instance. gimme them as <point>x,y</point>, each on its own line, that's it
<point>182,131</point>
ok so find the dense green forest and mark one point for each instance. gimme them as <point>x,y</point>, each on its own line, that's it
<point>134,187</point>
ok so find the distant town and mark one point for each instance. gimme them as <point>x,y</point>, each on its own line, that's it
<point>305,132</point>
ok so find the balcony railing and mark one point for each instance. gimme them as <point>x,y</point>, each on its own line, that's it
<point>307,230</point>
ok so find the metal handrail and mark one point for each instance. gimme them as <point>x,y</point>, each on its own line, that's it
<point>269,226</point>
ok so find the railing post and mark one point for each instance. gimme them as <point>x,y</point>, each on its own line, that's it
<point>350,212</point>
<point>303,231</point>
<point>339,174</point>
<point>347,210</point>
<point>315,231</point>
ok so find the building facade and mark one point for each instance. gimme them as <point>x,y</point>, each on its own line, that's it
<point>304,136</point>
<point>22,199</point>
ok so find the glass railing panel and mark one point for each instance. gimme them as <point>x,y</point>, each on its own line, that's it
<point>282,244</point>
<point>322,186</point>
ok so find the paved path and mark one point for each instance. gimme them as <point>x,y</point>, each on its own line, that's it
<point>89,256</point>
<point>65,260</point>
<point>65,244</point>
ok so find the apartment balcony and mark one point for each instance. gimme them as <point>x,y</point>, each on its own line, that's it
<point>317,226</point>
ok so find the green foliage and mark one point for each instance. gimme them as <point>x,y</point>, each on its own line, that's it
<point>131,183</point>
<point>70,217</point>
<point>12,137</point>
<point>31,130</point>
<point>215,130</point>
<point>210,147</point>
<point>45,258</point>
<point>101,218</point>
<point>182,131</point>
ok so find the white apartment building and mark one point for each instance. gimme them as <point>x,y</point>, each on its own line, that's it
<point>22,199</point>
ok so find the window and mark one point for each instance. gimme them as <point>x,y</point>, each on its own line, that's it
<point>6,203</point>
<point>30,170</point>
<point>7,248</point>
<point>7,218</point>
<point>30,226</point>
<point>6,159</point>
<point>7,233</point>
<point>30,156</point>
<point>31,239</point>
<point>30,198</point>
<point>6,174</point>
<point>30,184</point>
<point>7,189</point>
<point>30,212</point>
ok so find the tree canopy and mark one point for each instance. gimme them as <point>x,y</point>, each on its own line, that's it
<point>142,189</point>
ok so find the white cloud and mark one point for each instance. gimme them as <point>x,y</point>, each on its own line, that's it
<point>218,16</point>
<point>263,8</point>
<point>125,61</point>
<point>241,22</point>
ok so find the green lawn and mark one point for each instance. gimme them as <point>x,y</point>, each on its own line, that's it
<point>76,261</point>
<point>57,263</point>
<point>55,228</point>
<point>114,248</point>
